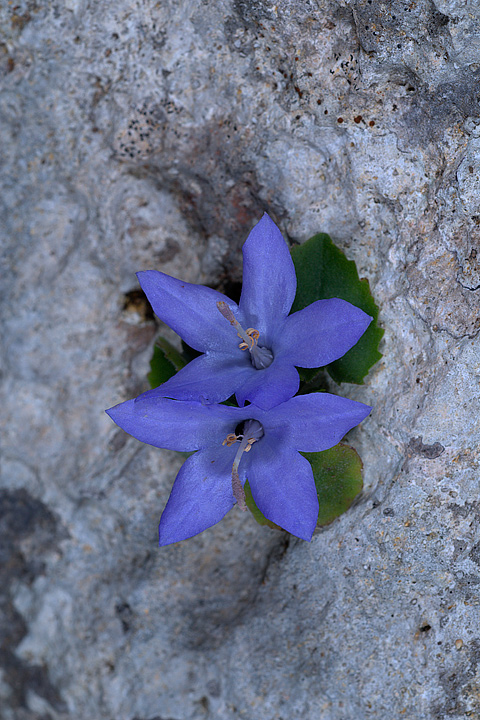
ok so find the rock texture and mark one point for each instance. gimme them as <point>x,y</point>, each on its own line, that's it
<point>139,134</point>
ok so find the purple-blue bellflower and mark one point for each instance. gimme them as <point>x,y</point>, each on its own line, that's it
<point>233,444</point>
<point>261,367</point>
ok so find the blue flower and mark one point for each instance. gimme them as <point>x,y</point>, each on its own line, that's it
<point>233,444</point>
<point>261,367</point>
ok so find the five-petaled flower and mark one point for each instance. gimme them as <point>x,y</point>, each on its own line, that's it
<point>233,444</point>
<point>261,369</point>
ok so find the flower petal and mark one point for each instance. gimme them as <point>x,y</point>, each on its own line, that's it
<point>315,422</point>
<point>322,332</point>
<point>175,425</point>
<point>271,386</point>
<point>269,281</point>
<point>191,310</point>
<point>283,487</point>
<point>201,496</point>
<point>210,378</point>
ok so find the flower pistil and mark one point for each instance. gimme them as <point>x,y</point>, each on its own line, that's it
<point>252,431</point>
<point>261,357</point>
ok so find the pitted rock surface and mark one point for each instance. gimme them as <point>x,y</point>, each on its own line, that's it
<point>140,135</point>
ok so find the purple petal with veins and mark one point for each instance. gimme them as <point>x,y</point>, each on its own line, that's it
<point>235,443</point>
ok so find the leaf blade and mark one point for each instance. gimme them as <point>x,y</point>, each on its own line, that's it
<point>338,479</point>
<point>163,363</point>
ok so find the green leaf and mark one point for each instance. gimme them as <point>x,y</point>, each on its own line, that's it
<point>338,479</point>
<point>324,272</point>
<point>231,401</point>
<point>314,382</point>
<point>165,362</point>
<point>171,353</point>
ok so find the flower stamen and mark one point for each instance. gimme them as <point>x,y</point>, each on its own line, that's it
<point>249,337</point>
<point>250,443</point>
<point>261,357</point>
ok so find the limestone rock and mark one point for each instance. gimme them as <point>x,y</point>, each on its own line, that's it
<point>142,135</point>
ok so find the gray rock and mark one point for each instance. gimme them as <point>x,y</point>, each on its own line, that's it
<point>153,135</point>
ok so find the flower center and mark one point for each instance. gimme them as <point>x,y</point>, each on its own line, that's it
<point>261,357</point>
<point>252,431</point>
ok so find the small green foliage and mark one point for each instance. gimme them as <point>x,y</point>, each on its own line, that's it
<point>324,272</point>
<point>312,381</point>
<point>338,478</point>
<point>172,354</point>
<point>165,362</point>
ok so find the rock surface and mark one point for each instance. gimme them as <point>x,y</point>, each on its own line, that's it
<point>135,135</point>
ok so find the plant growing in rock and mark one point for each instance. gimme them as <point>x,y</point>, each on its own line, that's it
<point>234,404</point>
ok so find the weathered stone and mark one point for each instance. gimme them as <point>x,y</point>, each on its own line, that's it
<point>153,135</point>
